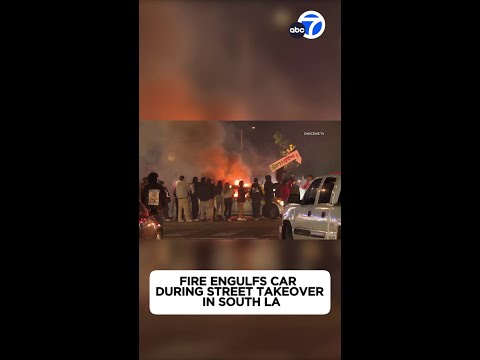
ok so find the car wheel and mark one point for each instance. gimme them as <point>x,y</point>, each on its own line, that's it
<point>273,212</point>
<point>288,235</point>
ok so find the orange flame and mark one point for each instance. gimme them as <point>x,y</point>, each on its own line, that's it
<point>218,164</point>
<point>246,184</point>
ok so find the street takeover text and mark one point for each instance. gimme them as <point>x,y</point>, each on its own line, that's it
<point>239,290</point>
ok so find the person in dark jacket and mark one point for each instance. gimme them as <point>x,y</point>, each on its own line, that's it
<point>256,195</point>
<point>241,201</point>
<point>194,197</point>
<point>211,198</point>
<point>169,200</point>
<point>294,190</point>
<point>143,183</point>
<point>205,193</point>
<point>268,188</point>
<point>154,198</point>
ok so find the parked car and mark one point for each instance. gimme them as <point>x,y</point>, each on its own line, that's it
<point>273,212</point>
<point>318,215</point>
<point>148,227</point>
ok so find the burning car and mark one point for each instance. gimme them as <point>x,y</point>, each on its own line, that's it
<point>274,211</point>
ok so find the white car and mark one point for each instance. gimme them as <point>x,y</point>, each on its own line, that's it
<point>318,215</point>
<point>274,211</point>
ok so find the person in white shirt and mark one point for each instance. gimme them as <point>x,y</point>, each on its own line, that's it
<point>220,205</point>
<point>228,200</point>
<point>183,192</point>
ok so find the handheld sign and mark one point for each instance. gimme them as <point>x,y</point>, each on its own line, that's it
<point>286,160</point>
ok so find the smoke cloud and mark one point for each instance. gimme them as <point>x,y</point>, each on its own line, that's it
<point>207,148</point>
<point>239,66</point>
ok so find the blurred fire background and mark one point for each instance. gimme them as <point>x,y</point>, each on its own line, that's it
<point>234,60</point>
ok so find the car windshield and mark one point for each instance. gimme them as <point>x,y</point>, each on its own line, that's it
<point>326,190</point>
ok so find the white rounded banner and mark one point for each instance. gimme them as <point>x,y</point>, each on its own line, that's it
<point>240,292</point>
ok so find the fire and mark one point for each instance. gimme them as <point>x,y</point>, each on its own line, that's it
<point>245,184</point>
<point>216,163</point>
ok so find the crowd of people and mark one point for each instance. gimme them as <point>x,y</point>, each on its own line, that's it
<point>206,200</point>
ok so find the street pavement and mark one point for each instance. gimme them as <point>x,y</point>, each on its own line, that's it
<point>238,337</point>
<point>219,230</point>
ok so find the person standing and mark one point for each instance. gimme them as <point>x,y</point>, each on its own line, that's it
<point>228,201</point>
<point>142,184</point>
<point>153,196</point>
<point>219,199</point>
<point>183,192</point>
<point>256,194</point>
<point>203,195</point>
<point>173,208</point>
<point>241,201</point>
<point>284,191</point>
<point>211,199</point>
<point>268,187</point>
<point>194,198</point>
<point>175,218</point>
<point>169,202</point>
<point>304,187</point>
<point>308,182</point>
<point>294,190</point>
<point>182,213</point>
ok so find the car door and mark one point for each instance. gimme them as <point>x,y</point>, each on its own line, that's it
<point>301,226</point>
<point>321,216</point>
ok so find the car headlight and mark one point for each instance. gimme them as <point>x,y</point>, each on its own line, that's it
<point>281,202</point>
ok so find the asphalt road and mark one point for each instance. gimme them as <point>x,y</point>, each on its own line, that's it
<point>240,337</point>
<point>219,230</point>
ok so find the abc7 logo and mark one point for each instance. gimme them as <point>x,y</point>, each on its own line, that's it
<point>310,25</point>
<point>297,30</point>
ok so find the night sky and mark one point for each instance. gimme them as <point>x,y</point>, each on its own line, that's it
<point>235,60</point>
<point>320,154</point>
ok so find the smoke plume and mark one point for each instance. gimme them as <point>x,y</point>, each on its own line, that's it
<point>173,148</point>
